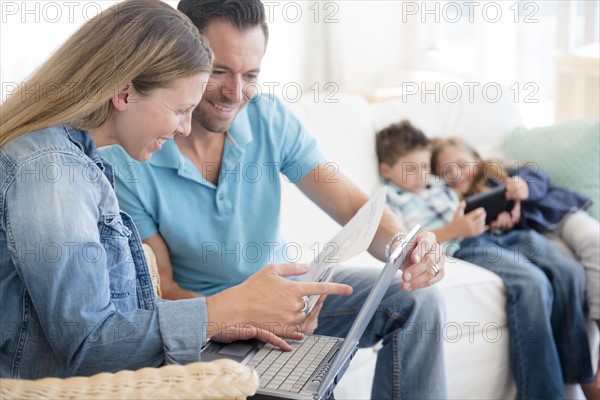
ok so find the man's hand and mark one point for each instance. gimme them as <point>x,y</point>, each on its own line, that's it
<point>421,273</point>
<point>268,303</point>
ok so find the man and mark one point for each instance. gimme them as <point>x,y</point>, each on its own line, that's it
<point>211,228</point>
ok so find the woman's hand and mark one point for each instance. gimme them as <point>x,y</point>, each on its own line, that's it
<point>234,333</point>
<point>268,306</point>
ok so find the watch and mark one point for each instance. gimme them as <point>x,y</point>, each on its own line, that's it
<point>388,247</point>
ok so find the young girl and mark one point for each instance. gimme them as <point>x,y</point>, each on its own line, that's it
<point>556,212</point>
<point>75,291</point>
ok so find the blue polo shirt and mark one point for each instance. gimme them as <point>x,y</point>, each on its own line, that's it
<point>219,235</point>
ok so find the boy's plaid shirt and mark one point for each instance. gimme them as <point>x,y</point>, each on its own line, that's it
<point>433,208</point>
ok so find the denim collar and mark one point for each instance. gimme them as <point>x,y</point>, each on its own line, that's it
<point>83,140</point>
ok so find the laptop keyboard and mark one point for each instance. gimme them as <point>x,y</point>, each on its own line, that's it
<point>289,371</point>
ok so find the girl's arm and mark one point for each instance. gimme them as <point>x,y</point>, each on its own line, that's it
<point>536,181</point>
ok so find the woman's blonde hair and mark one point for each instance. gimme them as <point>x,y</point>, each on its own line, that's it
<point>145,42</point>
<point>487,169</point>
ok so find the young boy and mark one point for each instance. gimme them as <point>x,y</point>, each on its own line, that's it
<point>415,195</point>
<point>545,351</point>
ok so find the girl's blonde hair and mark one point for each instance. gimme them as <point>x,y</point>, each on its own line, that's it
<point>487,169</point>
<point>145,42</point>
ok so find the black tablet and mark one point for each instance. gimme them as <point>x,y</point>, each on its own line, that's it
<point>493,202</point>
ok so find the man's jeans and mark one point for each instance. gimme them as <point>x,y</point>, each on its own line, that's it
<point>545,306</point>
<point>411,363</point>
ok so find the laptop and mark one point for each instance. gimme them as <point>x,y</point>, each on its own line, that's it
<point>317,363</point>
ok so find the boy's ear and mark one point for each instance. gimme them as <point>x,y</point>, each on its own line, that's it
<point>385,170</point>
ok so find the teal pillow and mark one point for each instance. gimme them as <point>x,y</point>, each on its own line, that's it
<point>569,152</point>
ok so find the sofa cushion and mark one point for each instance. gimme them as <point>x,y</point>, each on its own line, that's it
<point>483,122</point>
<point>343,130</point>
<point>568,152</point>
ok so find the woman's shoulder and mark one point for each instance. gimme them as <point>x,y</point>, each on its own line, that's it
<point>46,141</point>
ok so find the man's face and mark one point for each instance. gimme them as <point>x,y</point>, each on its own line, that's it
<point>232,84</point>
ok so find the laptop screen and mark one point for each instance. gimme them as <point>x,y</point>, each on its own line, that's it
<point>402,252</point>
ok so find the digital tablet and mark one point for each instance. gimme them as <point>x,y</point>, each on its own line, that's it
<point>493,202</point>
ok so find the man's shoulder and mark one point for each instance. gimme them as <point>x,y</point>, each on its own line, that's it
<point>115,154</point>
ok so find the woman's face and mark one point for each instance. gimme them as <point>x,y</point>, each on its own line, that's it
<point>458,168</point>
<point>143,123</point>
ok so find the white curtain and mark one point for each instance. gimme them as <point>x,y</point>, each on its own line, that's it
<point>356,44</point>
<point>478,40</point>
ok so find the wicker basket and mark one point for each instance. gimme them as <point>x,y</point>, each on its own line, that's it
<point>220,379</point>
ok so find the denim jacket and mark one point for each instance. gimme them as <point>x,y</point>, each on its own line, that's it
<point>547,205</point>
<point>76,297</point>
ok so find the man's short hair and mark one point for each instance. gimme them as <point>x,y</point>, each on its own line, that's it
<point>243,14</point>
<point>397,140</point>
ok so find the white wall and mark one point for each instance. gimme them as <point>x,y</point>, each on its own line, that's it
<point>359,45</point>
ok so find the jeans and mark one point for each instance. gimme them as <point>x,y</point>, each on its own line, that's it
<point>545,307</point>
<point>411,363</point>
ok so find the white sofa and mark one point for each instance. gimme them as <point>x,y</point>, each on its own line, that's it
<point>476,334</point>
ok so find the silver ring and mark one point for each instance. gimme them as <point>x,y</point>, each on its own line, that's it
<point>305,308</point>
<point>436,270</point>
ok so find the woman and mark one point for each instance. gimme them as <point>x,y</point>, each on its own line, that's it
<point>75,291</point>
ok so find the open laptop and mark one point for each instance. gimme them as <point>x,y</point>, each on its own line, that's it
<point>316,364</point>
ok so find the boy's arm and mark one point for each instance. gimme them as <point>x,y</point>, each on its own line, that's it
<point>462,225</point>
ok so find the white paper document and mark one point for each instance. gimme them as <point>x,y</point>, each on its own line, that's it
<point>354,238</point>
